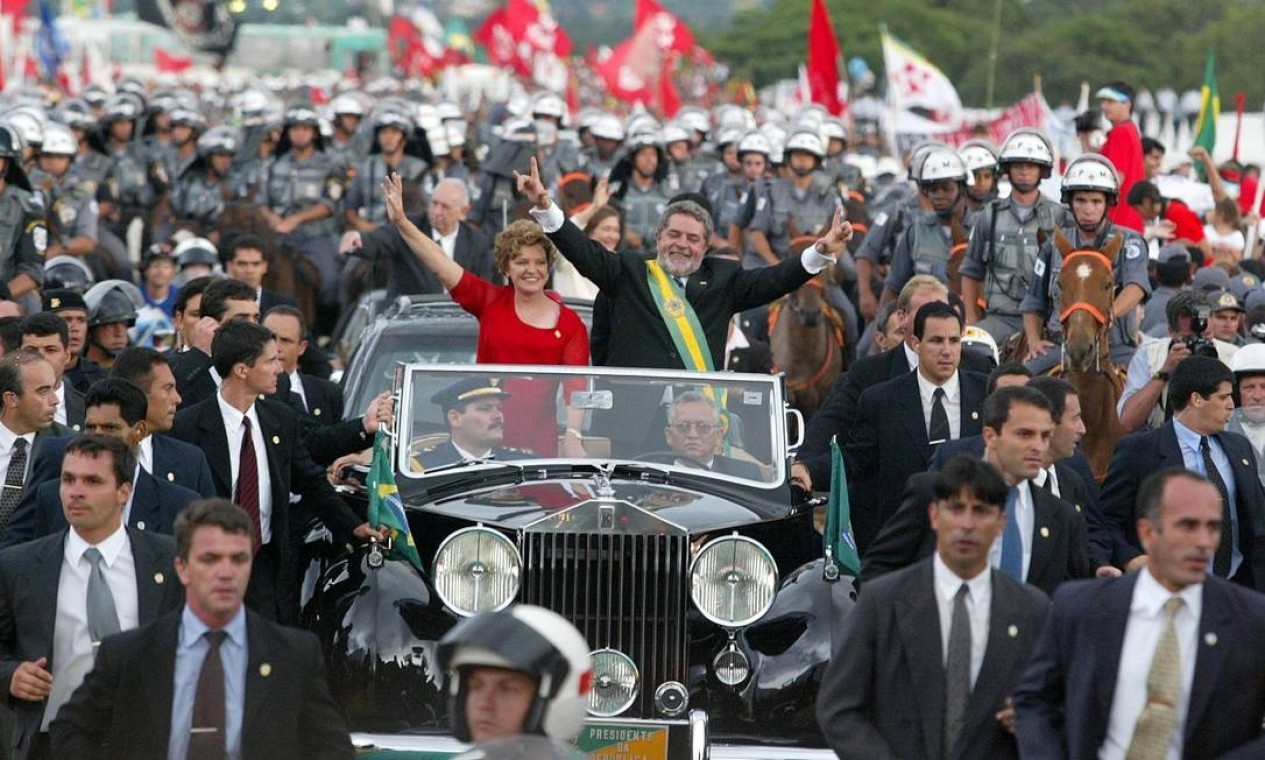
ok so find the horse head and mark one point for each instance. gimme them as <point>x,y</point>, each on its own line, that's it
<point>1087,292</point>
<point>806,302</point>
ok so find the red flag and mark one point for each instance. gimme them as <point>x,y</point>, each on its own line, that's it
<point>669,100</point>
<point>632,68</point>
<point>170,63</point>
<point>517,34</point>
<point>823,60</point>
<point>671,34</point>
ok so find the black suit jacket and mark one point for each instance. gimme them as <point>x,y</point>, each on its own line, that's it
<point>155,505</point>
<point>324,400</point>
<point>1063,703</point>
<point>888,443</point>
<point>29,577</point>
<point>270,298</point>
<point>638,337</point>
<point>882,695</point>
<point>291,470</point>
<point>1060,541</point>
<point>1140,454</point>
<point>74,407</point>
<point>408,276</point>
<point>123,708</point>
<point>837,415</point>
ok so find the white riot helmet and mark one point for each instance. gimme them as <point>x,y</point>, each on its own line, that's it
<point>754,142</point>
<point>1249,360</point>
<point>531,640</point>
<point>978,154</point>
<point>805,141</point>
<point>346,104</point>
<point>675,133</point>
<point>28,124</point>
<point>1091,171</point>
<point>940,165</point>
<point>607,127</point>
<point>1027,146</point>
<point>59,141</point>
<point>919,155</point>
<point>694,119</point>
<point>833,129</point>
<point>980,342</point>
<point>728,136</point>
<point>549,104</point>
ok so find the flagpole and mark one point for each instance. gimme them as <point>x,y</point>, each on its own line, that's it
<point>992,54</point>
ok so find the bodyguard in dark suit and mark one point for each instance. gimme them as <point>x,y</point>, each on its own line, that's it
<point>247,358</point>
<point>1112,672</point>
<point>1200,390</point>
<point>223,301</point>
<point>406,275</point>
<point>46,639</point>
<point>838,414</point>
<point>930,653</point>
<point>144,698</point>
<point>1051,536</point>
<point>320,401</point>
<point>49,335</point>
<point>900,422</point>
<point>713,288</point>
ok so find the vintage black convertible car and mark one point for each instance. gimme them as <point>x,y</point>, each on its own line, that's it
<point>675,544</point>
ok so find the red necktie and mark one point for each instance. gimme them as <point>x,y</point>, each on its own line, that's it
<point>247,492</point>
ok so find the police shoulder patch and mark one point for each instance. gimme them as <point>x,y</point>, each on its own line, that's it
<point>1039,268</point>
<point>880,219</point>
<point>1135,250</point>
<point>39,236</point>
<point>335,189</point>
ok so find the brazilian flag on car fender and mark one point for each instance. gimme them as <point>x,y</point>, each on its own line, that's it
<point>385,507</point>
<point>840,543</point>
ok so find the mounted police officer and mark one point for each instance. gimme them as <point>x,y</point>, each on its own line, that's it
<point>981,161</point>
<point>396,149</point>
<point>608,135</point>
<point>801,204</point>
<point>1006,237</point>
<point>927,244</point>
<point>736,206</point>
<point>350,144</point>
<point>638,182</point>
<point>128,191</point>
<point>1090,187</point>
<point>836,166</point>
<point>72,207</point>
<point>23,228</point>
<point>303,188</point>
<point>725,174</point>
<point>208,183</point>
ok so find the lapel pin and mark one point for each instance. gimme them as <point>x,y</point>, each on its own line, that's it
<point>76,428</point>
<point>159,579</point>
<point>265,670</point>
<point>1078,507</point>
<point>557,333</point>
<point>1210,639</point>
<point>1045,532</point>
<point>1012,631</point>
<point>171,477</point>
<point>975,415</point>
<point>276,440</point>
<point>140,525</point>
<point>316,412</point>
<point>1246,463</point>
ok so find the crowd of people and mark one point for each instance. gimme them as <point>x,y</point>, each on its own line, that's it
<point>153,386</point>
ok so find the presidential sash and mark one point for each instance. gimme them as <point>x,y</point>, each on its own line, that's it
<point>679,317</point>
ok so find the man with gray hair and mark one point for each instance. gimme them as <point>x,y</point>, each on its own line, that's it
<point>674,311</point>
<point>694,434</point>
<point>445,223</point>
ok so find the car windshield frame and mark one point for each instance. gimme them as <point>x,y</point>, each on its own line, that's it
<point>747,397</point>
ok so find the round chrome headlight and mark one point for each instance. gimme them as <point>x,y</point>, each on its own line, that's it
<point>615,683</point>
<point>477,569</point>
<point>733,581</point>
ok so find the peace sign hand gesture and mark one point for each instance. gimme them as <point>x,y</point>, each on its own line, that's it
<point>532,188</point>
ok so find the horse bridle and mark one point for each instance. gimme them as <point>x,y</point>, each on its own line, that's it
<point>1102,318</point>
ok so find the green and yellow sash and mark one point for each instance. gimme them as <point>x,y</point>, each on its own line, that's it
<point>681,321</point>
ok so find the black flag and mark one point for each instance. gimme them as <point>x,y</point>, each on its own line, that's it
<point>202,25</point>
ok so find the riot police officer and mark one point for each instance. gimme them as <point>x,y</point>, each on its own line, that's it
<point>23,228</point>
<point>981,161</point>
<point>396,149</point>
<point>608,135</point>
<point>736,206</point>
<point>801,204</point>
<point>1005,237</point>
<point>835,135</point>
<point>91,164</point>
<point>72,207</point>
<point>927,244</point>
<point>349,144</point>
<point>638,182</point>
<point>728,170</point>
<point>1090,187</point>
<point>208,183</point>
<point>299,198</point>
<point>129,189</point>
<point>112,309</point>
<point>684,173</point>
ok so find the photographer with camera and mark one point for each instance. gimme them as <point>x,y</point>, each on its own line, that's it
<point>1144,402</point>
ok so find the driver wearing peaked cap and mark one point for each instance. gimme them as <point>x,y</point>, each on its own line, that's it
<point>473,411</point>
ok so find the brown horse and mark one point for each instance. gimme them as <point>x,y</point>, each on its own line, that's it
<point>1087,288</point>
<point>806,340</point>
<point>957,252</point>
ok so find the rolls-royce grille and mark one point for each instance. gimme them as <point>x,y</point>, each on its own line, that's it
<point>627,592</point>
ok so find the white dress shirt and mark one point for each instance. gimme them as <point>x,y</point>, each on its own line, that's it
<point>1141,635</point>
<point>59,414</point>
<point>952,402</point>
<point>296,386</point>
<point>7,439</point>
<point>448,242</point>
<point>911,356</point>
<point>145,454</point>
<point>979,600</point>
<point>233,429</point>
<point>1027,522</point>
<point>1048,473</point>
<point>73,653</point>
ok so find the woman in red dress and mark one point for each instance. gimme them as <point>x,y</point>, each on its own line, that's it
<point>519,323</point>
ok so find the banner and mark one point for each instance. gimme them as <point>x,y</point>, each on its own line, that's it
<point>522,37</point>
<point>202,25</point>
<point>914,83</point>
<point>822,71</point>
<point>1032,112</point>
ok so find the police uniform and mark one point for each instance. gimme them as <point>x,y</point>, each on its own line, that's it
<point>737,202</point>
<point>455,396</point>
<point>840,171</point>
<point>445,454</point>
<point>364,194</point>
<point>200,195</point>
<point>594,164</point>
<point>924,248</point>
<point>90,167</point>
<point>643,208</point>
<point>295,184</point>
<point>687,177</point>
<point>129,183</point>
<point>72,206</point>
<point>1043,295</point>
<point>1001,254</point>
<point>789,212</point>
<point>23,235</point>
<point>892,214</point>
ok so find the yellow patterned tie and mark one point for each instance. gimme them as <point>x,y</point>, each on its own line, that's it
<point>1163,688</point>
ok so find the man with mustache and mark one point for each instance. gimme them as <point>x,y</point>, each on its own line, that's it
<point>473,409</point>
<point>1249,419</point>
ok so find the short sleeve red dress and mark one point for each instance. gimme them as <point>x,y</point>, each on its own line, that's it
<point>531,410</point>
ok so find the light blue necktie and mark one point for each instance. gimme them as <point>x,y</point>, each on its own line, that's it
<point>1011,542</point>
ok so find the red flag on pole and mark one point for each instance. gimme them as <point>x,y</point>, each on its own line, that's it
<point>823,60</point>
<point>669,100</point>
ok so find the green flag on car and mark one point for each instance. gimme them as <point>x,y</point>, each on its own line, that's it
<point>841,545</point>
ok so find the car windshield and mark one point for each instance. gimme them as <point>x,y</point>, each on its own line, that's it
<point>409,348</point>
<point>724,425</point>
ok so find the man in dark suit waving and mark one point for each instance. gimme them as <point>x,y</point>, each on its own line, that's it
<point>52,604</point>
<point>929,654</point>
<point>1201,392</point>
<point>214,680</point>
<point>1161,663</point>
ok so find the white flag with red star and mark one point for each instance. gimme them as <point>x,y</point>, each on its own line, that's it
<point>913,82</point>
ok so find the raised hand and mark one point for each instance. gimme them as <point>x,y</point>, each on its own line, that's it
<point>530,186</point>
<point>840,232</point>
<point>393,197</point>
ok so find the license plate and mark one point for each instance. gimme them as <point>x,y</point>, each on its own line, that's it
<point>633,740</point>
